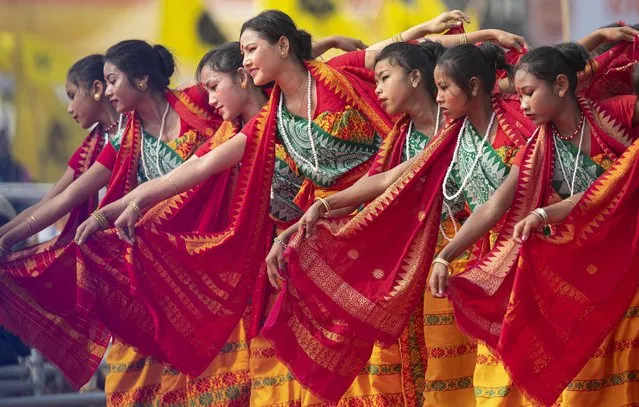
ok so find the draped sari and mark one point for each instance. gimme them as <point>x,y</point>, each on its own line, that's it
<point>346,292</point>
<point>43,298</point>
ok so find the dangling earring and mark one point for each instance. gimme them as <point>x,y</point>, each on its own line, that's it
<point>96,97</point>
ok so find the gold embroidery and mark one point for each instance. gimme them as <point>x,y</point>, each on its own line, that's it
<point>378,274</point>
<point>591,269</point>
<point>353,254</point>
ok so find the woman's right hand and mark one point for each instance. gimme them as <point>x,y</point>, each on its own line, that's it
<point>86,229</point>
<point>447,20</point>
<point>125,225</point>
<point>309,219</point>
<point>438,280</point>
<point>274,263</point>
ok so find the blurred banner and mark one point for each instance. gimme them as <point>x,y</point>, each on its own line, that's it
<point>40,39</point>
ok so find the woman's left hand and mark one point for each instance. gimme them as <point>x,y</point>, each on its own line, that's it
<point>614,34</point>
<point>347,44</point>
<point>525,227</point>
<point>509,40</point>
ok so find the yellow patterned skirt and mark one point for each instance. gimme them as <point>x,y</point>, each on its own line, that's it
<point>134,380</point>
<point>451,354</point>
<point>609,379</point>
<point>272,384</point>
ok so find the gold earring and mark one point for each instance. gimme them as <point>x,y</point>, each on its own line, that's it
<point>142,86</point>
<point>414,85</point>
<point>283,55</point>
<point>243,85</point>
<point>474,92</point>
<point>96,97</point>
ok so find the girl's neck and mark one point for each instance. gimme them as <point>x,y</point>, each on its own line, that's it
<point>480,112</point>
<point>254,104</point>
<point>423,112</point>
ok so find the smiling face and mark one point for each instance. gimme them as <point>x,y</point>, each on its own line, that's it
<point>539,99</point>
<point>119,90</point>
<point>261,59</point>
<point>226,94</point>
<point>452,99</point>
<point>82,106</point>
<point>394,86</point>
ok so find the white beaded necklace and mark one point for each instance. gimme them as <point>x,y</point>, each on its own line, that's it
<point>561,163</point>
<point>466,178</point>
<point>315,164</point>
<point>410,131</point>
<point>455,157</point>
<point>158,143</point>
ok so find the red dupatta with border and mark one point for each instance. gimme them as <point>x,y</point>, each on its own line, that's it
<point>531,306</point>
<point>185,292</point>
<point>41,297</point>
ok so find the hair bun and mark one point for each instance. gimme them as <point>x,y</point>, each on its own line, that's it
<point>494,55</point>
<point>306,49</point>
<point>432,49</point>
<point>166,62</point>
<point>574,54</point>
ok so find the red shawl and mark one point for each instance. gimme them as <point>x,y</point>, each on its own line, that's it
<point>185,291</point>
<point>346,291</point>
<point>545,310</point>
<point>42,288</point>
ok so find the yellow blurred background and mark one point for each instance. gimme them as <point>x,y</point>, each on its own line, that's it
<point>40,39</point>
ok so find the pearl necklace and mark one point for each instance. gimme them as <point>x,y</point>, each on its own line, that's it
<point>410,131</point>
<point>315,164</point>
<point>455,157</point>
<point>158,143</point>
<point>561,163</point>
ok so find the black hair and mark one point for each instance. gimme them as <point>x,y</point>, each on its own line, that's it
<point>546,63</point>
<point>137,58</point>
<point>463,62</point>
<point>271,25</point>
<point>86,71</point>
<point>422,57</point>
<point>226,58</point>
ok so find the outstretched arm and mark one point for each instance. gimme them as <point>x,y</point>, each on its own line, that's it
<point>79,191</point>
<point>477,225</point>
<point>61,185</point>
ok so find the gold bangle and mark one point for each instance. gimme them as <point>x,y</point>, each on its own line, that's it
<point>445,263</point>
<point>168,179</point>
<point>102,220</point>
<point>28,222</point>
<point>463,39</point>
<point>326,205</point>
<point>135,208</point>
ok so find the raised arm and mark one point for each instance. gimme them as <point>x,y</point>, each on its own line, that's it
<point>340,42</point>
<point>79,191</point>
<point>477,225</point>
<point>445,21</point>
<point>609,34</point>
<point>61,185</point>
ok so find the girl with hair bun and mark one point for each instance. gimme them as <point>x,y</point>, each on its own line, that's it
<point>550,307</point>
<point>161,130</point>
